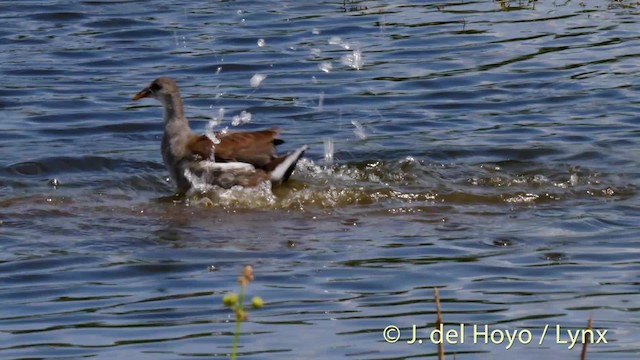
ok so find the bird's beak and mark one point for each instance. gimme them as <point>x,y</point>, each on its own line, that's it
<point>142,94</point>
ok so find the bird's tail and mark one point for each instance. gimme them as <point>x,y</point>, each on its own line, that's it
<point>282,167</point>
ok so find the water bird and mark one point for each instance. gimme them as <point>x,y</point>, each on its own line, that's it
<point>226,159</point>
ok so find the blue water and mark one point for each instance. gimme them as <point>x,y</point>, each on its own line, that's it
<point>487,148</point>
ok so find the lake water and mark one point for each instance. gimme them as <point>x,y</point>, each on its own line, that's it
<point>489,149</point>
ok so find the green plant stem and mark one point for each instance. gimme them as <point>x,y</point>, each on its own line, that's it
<point>236,334</point>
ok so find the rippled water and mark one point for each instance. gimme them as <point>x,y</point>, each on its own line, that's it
<point>490,149</point>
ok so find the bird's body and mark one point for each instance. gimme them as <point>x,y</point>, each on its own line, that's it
<point>235,158</point>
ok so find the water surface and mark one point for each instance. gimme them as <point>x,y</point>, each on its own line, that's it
<point>490,149</point>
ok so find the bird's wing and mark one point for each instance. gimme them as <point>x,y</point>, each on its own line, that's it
<point>254,147</point>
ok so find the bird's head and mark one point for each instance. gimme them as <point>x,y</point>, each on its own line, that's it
<point>157,89</point>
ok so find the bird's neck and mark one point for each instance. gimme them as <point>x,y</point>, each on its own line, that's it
<point>175,123</point>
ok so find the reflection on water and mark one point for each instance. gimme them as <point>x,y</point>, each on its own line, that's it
<point>489,149</point>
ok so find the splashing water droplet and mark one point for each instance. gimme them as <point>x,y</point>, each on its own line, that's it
<point>325,66</point>
<point>243,118</point>
<point>573,179</point>
<point>335,40</point>
<point>218,70</point>
<point>353,60</point>
<point>209,133</point>
<point>197,184</point>
<point>359,130</point>
<point>381,23</point>
<point>217,118</point>
<point>261,43</point>
<point>315,31</point>
<point>321,101</point>
<point>257,79</point>
<point>328,150</point>
<point>315,52</point>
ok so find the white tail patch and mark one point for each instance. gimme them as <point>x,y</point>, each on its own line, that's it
<point>279,172</point>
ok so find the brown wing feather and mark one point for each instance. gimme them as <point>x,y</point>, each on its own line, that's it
<point>253,147</point>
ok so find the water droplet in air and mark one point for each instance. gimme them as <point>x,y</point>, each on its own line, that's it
<point>325,66</point>
<point>328,150</point>
<point>359,130</point>
<point>257,79</point>
<point>573,179</point>
<point>335,40</point>
<point>353,60</point>
<point>321,101</point>
<point>243,118</point>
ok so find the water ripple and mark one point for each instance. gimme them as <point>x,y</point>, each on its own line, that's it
<point>487,148</point>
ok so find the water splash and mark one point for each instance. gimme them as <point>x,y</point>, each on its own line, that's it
<point>257,79</point>
<point>335,40</point>
<point>321,101</point>
<point>205,195</point>
<point>315,52</point>
<point>175,38</point>
<point>217,118</point>
<point>243,118</point>
<point>209,133</point>
<point>407,184</point>
<point>573,179</point>
<point>325,66</point>
<point>382,23</point>
<point>353,60</point>
<point>261,43</point>
<point>197,184</point>
<point>523,198</point>
<point>328,150</point>
<point>359,130</point>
